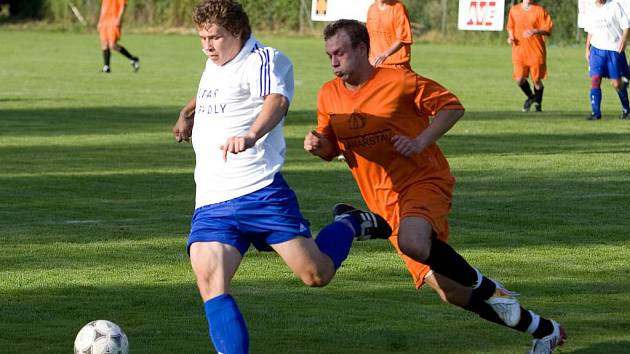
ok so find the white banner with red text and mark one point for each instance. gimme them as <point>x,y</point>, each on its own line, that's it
<point>477,15</point>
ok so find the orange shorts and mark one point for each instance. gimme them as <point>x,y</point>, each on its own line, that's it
<point>109,35</point>
<point>431,202</point>
<point>521,71</point>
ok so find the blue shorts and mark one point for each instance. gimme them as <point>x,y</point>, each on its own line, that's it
<point>268,216</point>
<point>607,63</point>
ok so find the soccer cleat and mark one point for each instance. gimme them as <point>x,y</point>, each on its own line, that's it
<point>538,107</point>
<point>624,115</point>
<point>135,64</point>
<point>593,116</point>
<point>504,303</point>
<point>528,103</point>
<point>372,225</point>
<point>547,344</point>
<point>106,69</point>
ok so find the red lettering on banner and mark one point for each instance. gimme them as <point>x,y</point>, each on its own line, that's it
<point>481,13</point>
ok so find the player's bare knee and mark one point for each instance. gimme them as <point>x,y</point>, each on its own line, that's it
<point>413,248</point>
<point>316,278</point>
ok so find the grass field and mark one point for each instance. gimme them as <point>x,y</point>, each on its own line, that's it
<point>96,198</point>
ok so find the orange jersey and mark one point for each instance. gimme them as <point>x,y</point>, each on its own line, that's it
<point>111,11</point>
<point>532,50</point>
<point>386,27</point>
<point>362,123</point>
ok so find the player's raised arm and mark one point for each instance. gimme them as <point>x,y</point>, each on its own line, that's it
<point>274,108</point>
<point>442,123</point>
<point>184,124</point>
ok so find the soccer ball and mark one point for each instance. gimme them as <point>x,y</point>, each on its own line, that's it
<point>101,337</point>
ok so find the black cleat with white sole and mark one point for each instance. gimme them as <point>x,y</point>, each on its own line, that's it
<point>372,225</point>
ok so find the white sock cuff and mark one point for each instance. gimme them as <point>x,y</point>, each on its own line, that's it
<point>533,326</point>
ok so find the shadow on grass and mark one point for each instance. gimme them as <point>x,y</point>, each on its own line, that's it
<point>85,121</point>
<point>281,316</point>
<point>616,347</point>
<point>86,207</point>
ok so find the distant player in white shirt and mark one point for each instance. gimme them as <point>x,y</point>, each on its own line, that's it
<point>607,29</point>
<point>235,122</point>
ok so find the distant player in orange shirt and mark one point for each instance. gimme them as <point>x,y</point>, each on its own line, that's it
<point>390,34</point>
<point>110,29</point>
<point>527,25</point>
<point>379,119</point>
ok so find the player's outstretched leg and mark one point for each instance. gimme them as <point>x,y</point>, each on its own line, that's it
<point>547,333</point>
<point>444,260</point>
<point>135,61</point>
<point>367,225</point>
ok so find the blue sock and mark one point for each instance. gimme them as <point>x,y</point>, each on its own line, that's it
<point>226,325</point>
<point>622,92</point>
<point>335,241</point>
<point>596,100</point>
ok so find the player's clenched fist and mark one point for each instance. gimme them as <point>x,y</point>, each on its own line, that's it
<point>183,128</point>
<point>312,142</point>
<point>406,146</point>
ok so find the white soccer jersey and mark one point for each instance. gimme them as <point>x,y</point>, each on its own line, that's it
<point>606,25</point>
<point>229,99</point>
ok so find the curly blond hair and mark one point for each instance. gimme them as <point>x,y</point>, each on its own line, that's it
<point>228,14</point>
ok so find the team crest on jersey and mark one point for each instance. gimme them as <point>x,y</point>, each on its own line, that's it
<point>356,121</point>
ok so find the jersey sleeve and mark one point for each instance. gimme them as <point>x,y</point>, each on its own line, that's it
<point>269,72</point>
<point>432,97</point>
<point>510,22</point>
<point>544,22</point>
<point>403,26</point>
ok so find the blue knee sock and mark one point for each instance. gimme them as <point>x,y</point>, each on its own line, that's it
<point>227,325</point>
<point>335,241</point>
<point>596,100</point>
<point>622,92</point>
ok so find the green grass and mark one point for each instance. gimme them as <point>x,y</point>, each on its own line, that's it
<point>96,198</point>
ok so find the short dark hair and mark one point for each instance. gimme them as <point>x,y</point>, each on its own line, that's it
<point>228,14</point>
<point>354,29</point>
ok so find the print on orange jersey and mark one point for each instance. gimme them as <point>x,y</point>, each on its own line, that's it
<point>322,6</point>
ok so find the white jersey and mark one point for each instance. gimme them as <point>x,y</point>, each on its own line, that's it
<point>229,99</point>
<point>606,25</point>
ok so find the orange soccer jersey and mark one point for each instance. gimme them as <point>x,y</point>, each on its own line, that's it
<point>528,51</point>
<point>386,27</point>
<point>111,11</point>
<point>362,123</point>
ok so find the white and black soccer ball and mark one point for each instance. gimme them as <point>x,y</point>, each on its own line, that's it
<point>101,337</point>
